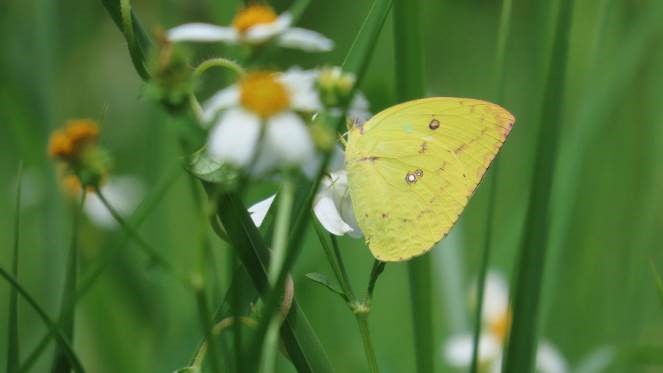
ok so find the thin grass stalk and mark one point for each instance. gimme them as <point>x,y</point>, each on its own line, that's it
<point>523,338</point>
<point>146,207</point>
<point>13,353</point>
<point>502,41</point>
<point>279,246</point>
<point>355,63</point>
<point>59,335</point>
<point>359,309</point>
<point>67,312</point>
<point>410,85</point>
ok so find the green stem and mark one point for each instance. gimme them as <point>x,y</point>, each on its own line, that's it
<point>502,40</point>
<point>279,244</point>
<point>67,312</point>
<point>362,322</point>
<point>151,251</point>
<point>342,274</point>
<point>135,51</point>
<point>206,322</point>
<point>523,337</point>
<point>218,62</point>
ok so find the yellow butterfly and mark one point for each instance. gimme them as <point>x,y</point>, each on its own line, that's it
<point>413,167</point>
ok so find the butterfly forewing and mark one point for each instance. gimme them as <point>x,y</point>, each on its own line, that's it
<point>413,167</point>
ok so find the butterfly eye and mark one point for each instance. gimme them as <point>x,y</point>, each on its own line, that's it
<point>434,124</point>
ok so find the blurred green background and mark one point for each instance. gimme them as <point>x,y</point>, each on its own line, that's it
<point>66,59</point>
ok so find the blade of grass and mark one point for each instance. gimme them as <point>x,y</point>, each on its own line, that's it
<point>301,343</point>
<point>355,63</point>
<point>502,40</point>
<point>410,85</point>
<point>13,353</point>
<point>137,40</point>
<point>67,311</point>
<point>59,335</point>
<point>523,336</point>
<point>143,211</point>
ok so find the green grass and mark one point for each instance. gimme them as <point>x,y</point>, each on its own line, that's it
<point>599,300</point>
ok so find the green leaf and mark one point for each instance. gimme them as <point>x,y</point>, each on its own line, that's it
<point>524,336</point>
<point>59,335</point>
<point>13,355</point>
<point>321,279</point>
<point>208,169</point>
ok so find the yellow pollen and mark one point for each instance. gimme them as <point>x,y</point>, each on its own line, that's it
<point>77,134</point>
<point>263,94</point>
<point>253,15</point>
<point>501,326</point>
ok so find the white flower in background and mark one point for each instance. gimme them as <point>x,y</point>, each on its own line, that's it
<point>122,192</point>
<point>496,319</point>
<point>332,205</point>
<point>267,103</point>
<point>255,24</point>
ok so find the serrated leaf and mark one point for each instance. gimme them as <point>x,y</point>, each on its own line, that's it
<point>206,168</point>
<point>324,281</point>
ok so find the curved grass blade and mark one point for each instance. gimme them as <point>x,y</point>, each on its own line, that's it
<point>59,335</point>
<point>67,310</point>
<point>13,353</point>
<point>137,40</point>
<point>523,337</point>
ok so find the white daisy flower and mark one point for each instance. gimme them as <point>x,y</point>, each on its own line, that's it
<point>123,193</point>
<point>255,24</point>
<point>496,318</point>
<point>332,205</point>
<point>267,103</point>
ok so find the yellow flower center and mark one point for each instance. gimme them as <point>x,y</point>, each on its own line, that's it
<point>263,94</point>
<point>252,15</point>
<point>501,326</point>
<point>67,143</point>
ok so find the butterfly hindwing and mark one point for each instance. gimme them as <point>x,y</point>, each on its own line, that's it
<point>413,167</point>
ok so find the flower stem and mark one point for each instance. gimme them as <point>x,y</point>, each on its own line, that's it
<point>149,250</point>
<point>280,244</point>
<point>362,322</point>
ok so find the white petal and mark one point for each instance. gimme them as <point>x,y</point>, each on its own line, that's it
<point>202,32</point>
<point>305,40</point>
<point>549,359</point>
<point>458,350</point>
<point>259,210</point>
<point>495,298</point>
<point>329,217</point>
<point>122,192</point>
<point>301,88</point>
<point>359,108</point>
<point>288,136</point>
<point>263,32</point>
<point>233,139</point>
<point>223,99</point>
